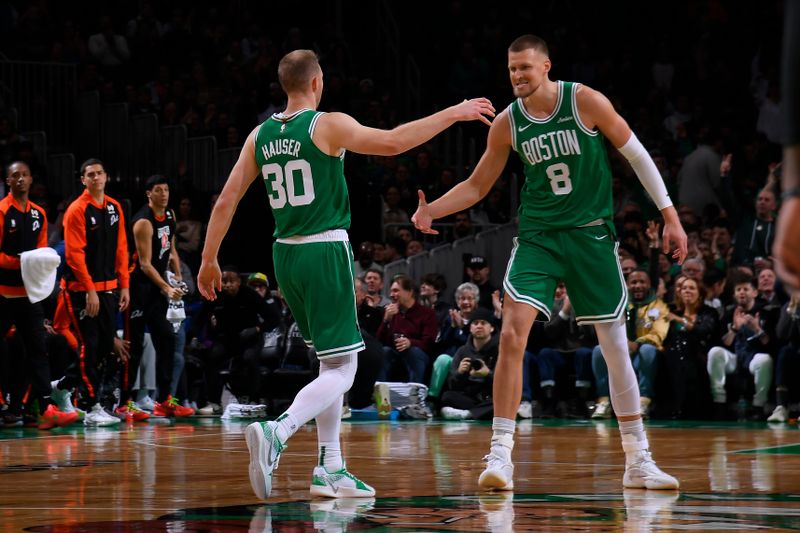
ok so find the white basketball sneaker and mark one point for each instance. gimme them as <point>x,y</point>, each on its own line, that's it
<point>499,472</point>
<point>338,484</point>
<point>642,473</point>
<point>98,417</point>
<point>265,451</point>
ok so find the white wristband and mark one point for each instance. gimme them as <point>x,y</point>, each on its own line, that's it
<point>646,171</point>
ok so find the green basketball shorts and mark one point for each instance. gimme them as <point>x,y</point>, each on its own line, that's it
<point>585,259</point>
<point>316,280</point>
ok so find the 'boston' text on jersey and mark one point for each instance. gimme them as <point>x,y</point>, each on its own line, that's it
<point>551,145</point>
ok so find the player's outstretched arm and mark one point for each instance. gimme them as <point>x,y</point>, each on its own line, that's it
<point>597,110</point>
<point>244,172</point>
<point>338,130</point>
<point>479,183</point>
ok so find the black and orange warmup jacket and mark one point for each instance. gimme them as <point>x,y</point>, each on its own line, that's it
<point>20,230</point>
<point>95,244</point>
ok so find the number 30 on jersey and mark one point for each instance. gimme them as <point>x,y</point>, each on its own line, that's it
<point>283,183</point>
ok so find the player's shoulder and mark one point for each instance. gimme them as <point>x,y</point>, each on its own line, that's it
<point>6,202</point>
<point>587,97</point>
<point>36,207</point>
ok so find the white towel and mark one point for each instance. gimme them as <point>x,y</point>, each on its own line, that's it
<point>39,272</point>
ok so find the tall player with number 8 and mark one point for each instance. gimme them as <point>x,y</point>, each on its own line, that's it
<point>565,233</point>
<point>300,153</point>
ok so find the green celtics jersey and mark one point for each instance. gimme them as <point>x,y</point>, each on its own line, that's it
<point>306,187</point>
<point>567,175</point>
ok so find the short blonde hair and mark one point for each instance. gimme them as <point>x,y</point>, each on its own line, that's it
<point>296,70</point>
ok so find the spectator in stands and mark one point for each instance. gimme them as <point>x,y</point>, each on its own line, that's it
<point>394,250</point>
<point>787,366</point>
<point>373,279</point>
<point>469,391</point>
<point>647,324</point>
<point>699,177</point>
<point>414,247</point>
<point>693,327</point>
<point>407,332</point>
<point>462,225</point>
<point>628,265</point>
<point>713,286</point>
<point>454,330</point>
<point>108,48</point>
<point>370,310</point>
<point>233,323</point>
<point>755,235</point>
<point>766,286</point>
<point>564,338</point>
<point>744,352</point>
<point>404,234</point>
<point>431,288</point>
<point>694,268</point>
<point>393,213</point>
<point>189,234</point>
<point>365,259</point>
<point>478,272</point>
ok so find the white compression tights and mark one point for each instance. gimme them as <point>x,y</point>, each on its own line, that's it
<point>622,381</point>
<point>322,398</point>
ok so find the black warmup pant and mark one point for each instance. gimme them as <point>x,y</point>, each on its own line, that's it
<point>30,351</point>
<point>96,367</point>
<point>149,309</point>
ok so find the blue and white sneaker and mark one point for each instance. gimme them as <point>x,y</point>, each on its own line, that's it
<point>265,450</point>
<point>338,484</point>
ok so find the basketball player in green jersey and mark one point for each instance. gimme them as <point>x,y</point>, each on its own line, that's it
<point>300,154</point>
<point>565,233</point>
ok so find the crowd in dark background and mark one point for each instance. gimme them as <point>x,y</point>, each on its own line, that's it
<point>697,82</point>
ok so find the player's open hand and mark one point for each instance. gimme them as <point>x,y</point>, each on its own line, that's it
<point>475,109</point>
<point>422,217</point>
<point>209,279</point>
<point>675,236</point>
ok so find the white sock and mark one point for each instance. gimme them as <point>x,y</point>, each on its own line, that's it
<point>287,425</point>
<point>330,456</point>
<point>329,423</point>
<point>634,439</point>
<point>503,436</point>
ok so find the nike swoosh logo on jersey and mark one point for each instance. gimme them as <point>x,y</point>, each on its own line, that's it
<point>601,237</point>
<point>523,128</point>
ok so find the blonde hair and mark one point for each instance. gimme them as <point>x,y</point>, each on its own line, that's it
<point>296,70</point>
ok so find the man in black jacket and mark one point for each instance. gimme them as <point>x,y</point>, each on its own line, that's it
<point>233,324</point>
<point>469,393</point>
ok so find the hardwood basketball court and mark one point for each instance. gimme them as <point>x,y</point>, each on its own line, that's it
<point>192,476</point>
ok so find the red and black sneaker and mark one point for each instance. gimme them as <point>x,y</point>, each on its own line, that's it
<point>172,408</point>
<point>52,417</point>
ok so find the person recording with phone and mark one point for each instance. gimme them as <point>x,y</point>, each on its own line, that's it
<point>469,392</point>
